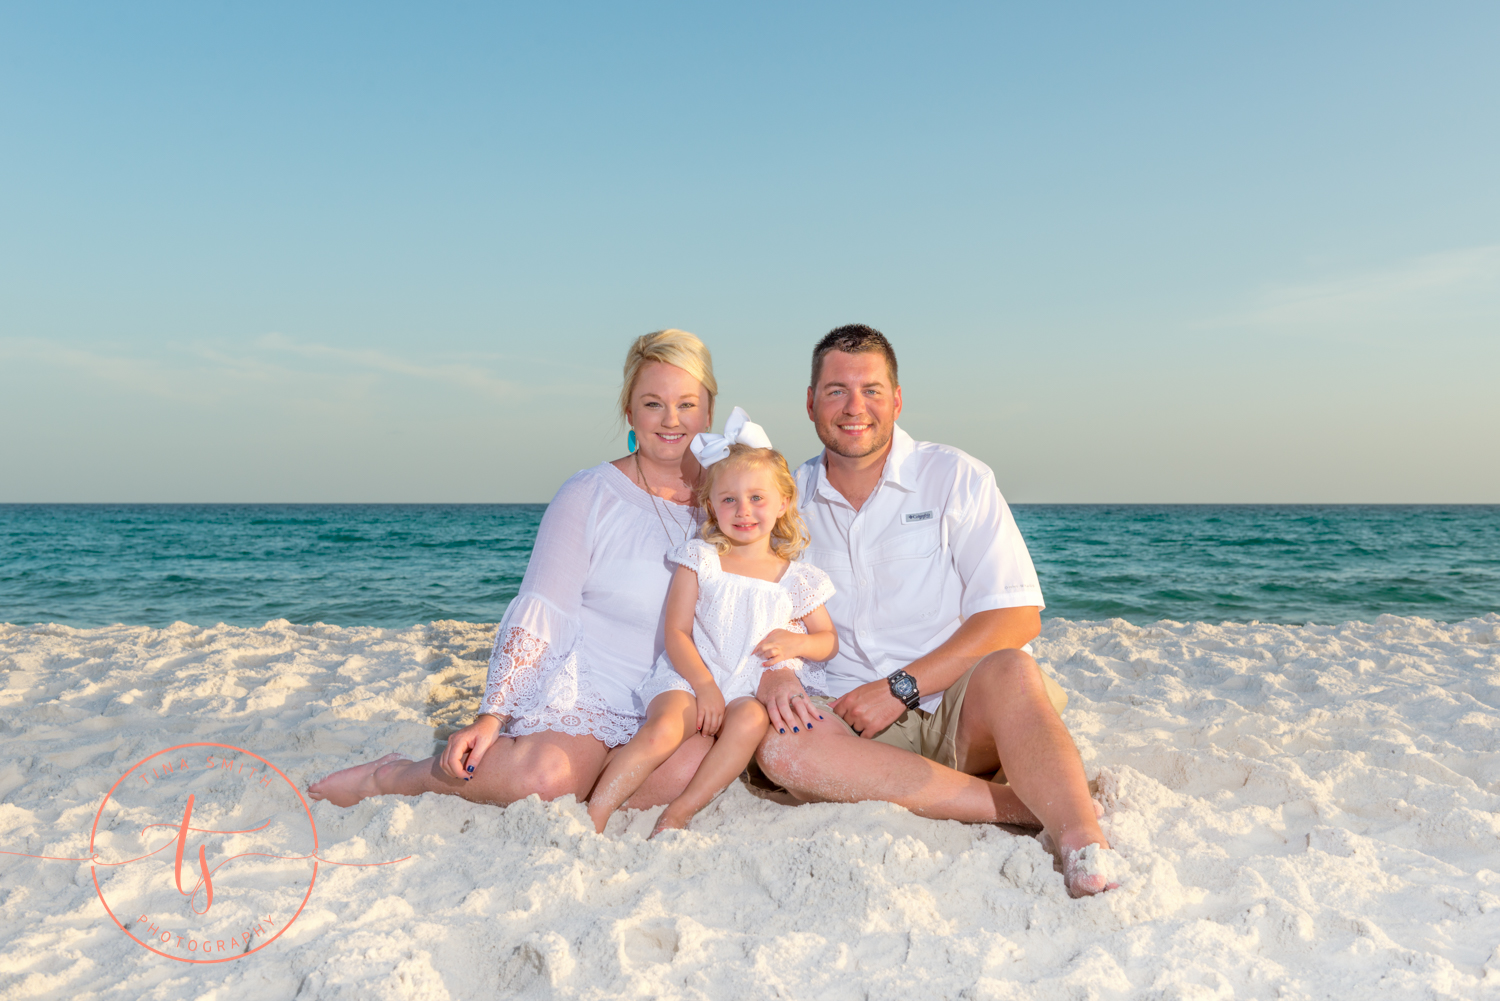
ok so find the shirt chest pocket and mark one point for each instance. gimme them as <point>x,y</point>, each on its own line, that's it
<point>907,575</point>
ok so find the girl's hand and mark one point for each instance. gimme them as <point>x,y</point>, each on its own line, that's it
<point>468,746</point>
<point>779,645</point>
<point>710,710</point>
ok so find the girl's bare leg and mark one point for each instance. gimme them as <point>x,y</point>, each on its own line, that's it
<point>671,776</point>
<point>548,764</point>
<point>745,723</point>
<point>669,719</point>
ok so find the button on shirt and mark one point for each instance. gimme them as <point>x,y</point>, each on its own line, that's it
<point>934,543</point>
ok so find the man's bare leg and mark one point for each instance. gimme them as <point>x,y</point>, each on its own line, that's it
<point>1008,720</point>
<point>832,765</point>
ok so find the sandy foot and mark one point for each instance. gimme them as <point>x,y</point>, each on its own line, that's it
<point>1090,870</point>
<point>347,787</point>
<point>1087,869</point>
<point>667,822</point>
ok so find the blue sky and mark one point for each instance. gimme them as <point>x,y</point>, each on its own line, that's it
<point>396,252</point>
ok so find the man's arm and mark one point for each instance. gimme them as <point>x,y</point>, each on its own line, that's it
<point>871,707</point>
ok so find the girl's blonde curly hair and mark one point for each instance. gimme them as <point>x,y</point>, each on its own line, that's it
<point>789,535</point>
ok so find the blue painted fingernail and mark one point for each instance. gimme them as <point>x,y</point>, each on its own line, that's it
<point>809,726</point>
<point>783,729</point>
<point>795,730</point>
<point>820,717</point>
<point>471,768</point>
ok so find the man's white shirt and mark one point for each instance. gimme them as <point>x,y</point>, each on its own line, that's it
<point>934,544</point>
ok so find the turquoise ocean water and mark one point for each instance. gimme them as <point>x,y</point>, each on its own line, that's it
<point>395,565</point>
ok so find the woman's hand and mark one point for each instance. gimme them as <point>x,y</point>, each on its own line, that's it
<point>468,746</point>
<point>779,645</point>
<point>710,709</point>
<point>786,701</point>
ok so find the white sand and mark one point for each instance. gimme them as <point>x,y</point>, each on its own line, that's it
<point>1302,812</point>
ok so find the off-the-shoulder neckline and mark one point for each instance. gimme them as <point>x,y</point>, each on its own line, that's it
<point>629,489</point>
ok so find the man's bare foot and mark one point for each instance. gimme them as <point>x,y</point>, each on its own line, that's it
<point>1088,864</point>
<point>1091,869</point>
<point>669,822</point>
<point>347,787</point>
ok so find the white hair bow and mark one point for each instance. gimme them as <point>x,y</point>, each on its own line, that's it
<point>738,430</point>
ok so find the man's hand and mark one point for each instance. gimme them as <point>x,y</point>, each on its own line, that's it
<point>870,708</point>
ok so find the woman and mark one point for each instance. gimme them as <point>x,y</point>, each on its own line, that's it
<point>587,624</point>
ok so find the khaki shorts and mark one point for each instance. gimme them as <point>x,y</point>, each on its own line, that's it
<point>933,735</point>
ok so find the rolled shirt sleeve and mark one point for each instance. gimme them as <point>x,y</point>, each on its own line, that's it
<point>988,552</point>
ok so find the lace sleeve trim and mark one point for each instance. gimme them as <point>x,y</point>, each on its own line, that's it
<point>515,673</point>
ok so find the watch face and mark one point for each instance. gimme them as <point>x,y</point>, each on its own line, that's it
<point>903,686</point>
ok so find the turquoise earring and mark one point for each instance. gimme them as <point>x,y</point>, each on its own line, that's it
<point>631,440</point>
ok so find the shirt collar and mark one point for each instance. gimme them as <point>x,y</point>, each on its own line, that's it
<point>902,447</point>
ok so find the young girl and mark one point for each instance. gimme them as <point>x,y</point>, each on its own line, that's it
<point>738,605</point>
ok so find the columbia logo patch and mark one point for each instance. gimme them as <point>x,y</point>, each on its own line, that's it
<point>916,516</point>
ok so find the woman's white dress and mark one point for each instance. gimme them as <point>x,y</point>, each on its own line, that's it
<point>734,613</point>
<point>588,623</point>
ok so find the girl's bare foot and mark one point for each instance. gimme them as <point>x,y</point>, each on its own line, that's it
<point>347,787</point>
<point>669,822</point>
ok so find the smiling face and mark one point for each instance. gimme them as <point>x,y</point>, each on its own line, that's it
<point>667,407</point>
<point>854,406</point>
<point>746,502</point>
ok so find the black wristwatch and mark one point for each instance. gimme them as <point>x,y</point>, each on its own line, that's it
<point>904,687</point>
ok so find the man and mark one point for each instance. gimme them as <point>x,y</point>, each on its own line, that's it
<point>936,598</point>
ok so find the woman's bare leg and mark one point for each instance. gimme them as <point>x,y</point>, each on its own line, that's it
<point>548,764</point>
<point>669,719</point>
<point>745,723</point>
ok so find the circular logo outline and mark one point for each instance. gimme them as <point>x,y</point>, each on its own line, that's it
<point>94,867</point>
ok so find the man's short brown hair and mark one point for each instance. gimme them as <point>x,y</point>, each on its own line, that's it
<point>856,338</point>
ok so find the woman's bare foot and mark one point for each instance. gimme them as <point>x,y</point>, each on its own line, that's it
<point>668,821</point>
<point>347,787</point>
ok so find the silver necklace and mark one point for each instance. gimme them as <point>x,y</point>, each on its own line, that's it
<point>656,505</point>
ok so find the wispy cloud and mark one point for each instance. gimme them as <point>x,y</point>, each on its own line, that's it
<point>204,373</point>
<point>1453,286</point>
<point>467,376</point>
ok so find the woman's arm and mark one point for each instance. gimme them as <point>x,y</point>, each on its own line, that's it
<point>682,601</point>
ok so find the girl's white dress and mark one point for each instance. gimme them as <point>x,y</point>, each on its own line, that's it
<point>587,626</point>
<point>734,613</point>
